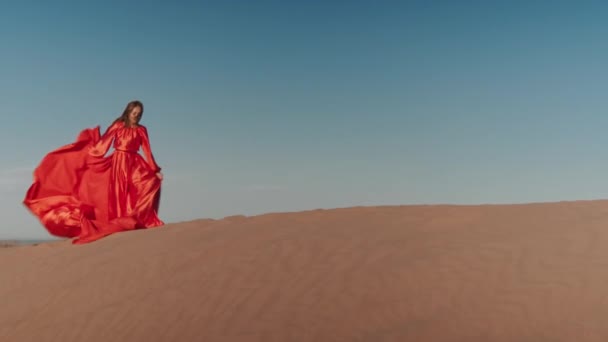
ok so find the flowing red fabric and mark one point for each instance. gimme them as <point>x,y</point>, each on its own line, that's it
<point>78,192</point>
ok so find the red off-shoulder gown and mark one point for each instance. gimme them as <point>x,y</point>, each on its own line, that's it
<point>80,193</point>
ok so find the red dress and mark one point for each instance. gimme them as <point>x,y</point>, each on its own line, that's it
<point>78,192</point>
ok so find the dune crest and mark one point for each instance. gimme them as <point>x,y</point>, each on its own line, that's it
<point>524,272</point>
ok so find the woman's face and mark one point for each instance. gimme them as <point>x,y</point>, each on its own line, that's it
<point>135,115</point>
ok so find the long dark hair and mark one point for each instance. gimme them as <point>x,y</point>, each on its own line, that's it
<point>125,114</point>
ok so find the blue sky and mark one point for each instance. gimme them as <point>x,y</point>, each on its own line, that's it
<point>266,106</point>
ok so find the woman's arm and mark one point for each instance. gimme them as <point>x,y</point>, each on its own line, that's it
<point>104,143</point>
<point>145,146</point>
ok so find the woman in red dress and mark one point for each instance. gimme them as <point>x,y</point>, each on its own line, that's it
<point>80,193</point>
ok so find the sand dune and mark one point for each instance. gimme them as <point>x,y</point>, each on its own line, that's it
<point>533,272</point>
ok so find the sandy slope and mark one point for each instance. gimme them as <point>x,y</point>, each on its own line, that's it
<point>534,272</point>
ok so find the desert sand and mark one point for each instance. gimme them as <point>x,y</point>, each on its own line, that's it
<point>523,272</point>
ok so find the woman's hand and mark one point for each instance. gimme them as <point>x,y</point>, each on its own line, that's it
<point>159,175</point>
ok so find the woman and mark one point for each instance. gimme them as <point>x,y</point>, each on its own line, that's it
<point>78,192</point>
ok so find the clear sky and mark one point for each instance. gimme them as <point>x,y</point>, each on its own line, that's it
<point>267,106</point>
